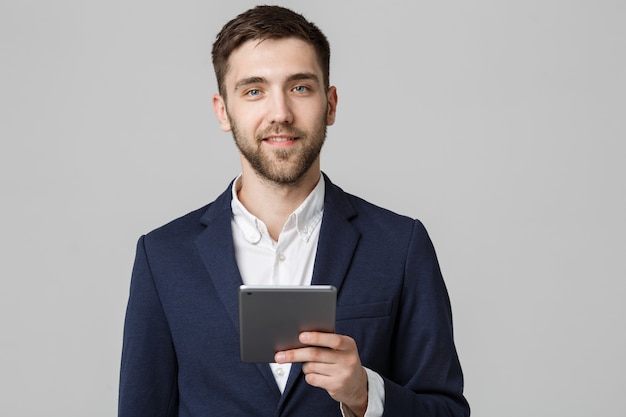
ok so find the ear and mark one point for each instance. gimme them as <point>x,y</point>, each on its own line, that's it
<point>331,97</point>
<point>219,107</point>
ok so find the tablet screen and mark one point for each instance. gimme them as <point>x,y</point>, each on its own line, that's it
<point>272,317</point>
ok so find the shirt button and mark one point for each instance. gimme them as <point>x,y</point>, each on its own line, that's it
<point>280,372</point>
<point>281,257</point>
<point>253,237</point>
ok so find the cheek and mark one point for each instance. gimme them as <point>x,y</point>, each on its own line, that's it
<point>312,116</point>
<point>249,116</point>
<point>240,121</point>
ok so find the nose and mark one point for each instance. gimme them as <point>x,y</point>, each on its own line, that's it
<point>280,109</point>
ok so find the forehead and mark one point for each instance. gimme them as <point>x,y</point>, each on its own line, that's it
<point>272,59</point>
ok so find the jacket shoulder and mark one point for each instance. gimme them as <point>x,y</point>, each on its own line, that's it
<point>194,222</point>
<point>181,225</point>
<point>369,213</point>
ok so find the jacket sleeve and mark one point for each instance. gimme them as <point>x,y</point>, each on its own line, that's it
<point>148,376</point>
<point>427,376</point>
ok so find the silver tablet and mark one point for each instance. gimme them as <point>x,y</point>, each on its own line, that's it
<point>272,317</point>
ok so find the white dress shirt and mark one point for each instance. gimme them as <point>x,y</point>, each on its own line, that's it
<point>288,261</point>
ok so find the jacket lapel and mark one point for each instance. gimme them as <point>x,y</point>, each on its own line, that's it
<point>335,249</point>
<point>338,239</point>
<point>216,249</point>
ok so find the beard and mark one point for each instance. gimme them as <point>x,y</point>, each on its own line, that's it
<point>281,166</point>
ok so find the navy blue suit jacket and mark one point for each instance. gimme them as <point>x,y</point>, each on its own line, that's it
<point>181,341</point>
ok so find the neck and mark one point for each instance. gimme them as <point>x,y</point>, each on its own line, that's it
<point>273,203</point>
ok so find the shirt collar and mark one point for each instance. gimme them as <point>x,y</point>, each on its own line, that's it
<point>305,218</point>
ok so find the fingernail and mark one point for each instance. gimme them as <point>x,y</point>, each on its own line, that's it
<point>279,357</point>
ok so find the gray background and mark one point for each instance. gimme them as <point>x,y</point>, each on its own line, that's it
<point>500,124</point>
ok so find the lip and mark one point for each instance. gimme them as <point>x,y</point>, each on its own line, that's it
<point>280,140</point>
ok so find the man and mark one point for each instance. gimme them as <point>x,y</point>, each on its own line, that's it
<point>283,222</point>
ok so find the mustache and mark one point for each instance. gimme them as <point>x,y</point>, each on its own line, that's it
<point>281,129</point>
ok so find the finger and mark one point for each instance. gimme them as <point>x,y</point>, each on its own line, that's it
<point>339,383</point>
<point>328,340</point>
<point>319,368</point>
<point>305,354</point>
<point>326,382</point>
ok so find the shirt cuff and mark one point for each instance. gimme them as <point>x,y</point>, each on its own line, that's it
<point>375,396</point>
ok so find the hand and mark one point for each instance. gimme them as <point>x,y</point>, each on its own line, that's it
<point>331,362</point>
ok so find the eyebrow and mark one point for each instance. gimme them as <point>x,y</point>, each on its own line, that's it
<point>262,80</point>
<point>249,80</point>
<point>304,76</point>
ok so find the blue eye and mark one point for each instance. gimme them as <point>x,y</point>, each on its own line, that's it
<point>253,92</point>
<point>301,89</point>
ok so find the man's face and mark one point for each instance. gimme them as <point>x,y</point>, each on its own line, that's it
<point>277,108</point>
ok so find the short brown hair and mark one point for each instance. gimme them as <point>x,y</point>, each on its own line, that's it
<point>267,22</point>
